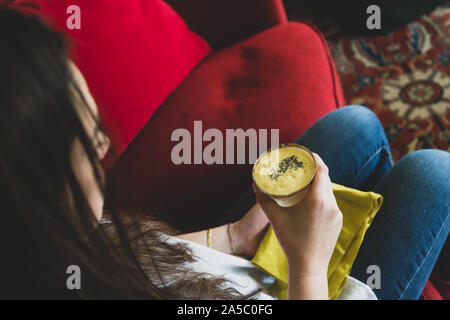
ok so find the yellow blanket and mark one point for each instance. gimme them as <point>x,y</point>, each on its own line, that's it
<point>358,208</point>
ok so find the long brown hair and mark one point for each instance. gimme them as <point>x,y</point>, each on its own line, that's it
<point>41,231</point>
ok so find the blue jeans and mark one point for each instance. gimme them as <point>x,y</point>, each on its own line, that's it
<point>410,229</point>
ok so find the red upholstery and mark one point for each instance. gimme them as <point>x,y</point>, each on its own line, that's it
<point>134,56</point>
<point>282,78</point>
<point>225,22</point>
<point>132,53</point>
<point>430,292</point>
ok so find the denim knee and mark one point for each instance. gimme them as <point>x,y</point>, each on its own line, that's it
<point>361,120</point>
<point>430,166</point>
<point>435,159</point>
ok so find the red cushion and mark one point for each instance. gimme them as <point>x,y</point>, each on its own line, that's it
<point>430,293</point>
<point>133,54</point>
<point>282,79</point>
<point>226,22</point>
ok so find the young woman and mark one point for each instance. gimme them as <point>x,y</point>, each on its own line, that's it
<point>51,191</point>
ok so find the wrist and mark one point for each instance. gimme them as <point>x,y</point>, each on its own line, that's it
<point>236,238</point>
<point>220,239</point>
<point>309,275</point>
<point>308,287</point>
<point>299,270</point>
<point>242,240</point>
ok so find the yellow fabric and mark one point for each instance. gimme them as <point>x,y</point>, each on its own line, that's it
<point>358,208</point>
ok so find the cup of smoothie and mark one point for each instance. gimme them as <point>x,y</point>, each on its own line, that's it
<point>285,173</point>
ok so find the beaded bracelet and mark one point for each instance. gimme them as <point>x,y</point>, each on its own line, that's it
<point>233,248</point>
<point>209,238</point>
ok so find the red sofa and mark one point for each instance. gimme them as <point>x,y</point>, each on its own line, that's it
<point>242,65</point>
<point>282,77</point>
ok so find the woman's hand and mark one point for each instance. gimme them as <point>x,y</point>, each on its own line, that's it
<point>248,232</point>
<point>308,231</point>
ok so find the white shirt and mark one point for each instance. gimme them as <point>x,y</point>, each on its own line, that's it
<point>247,277</point>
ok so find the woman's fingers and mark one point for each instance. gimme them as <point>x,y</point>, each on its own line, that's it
<point>322,182</point>
<point>269,206</point>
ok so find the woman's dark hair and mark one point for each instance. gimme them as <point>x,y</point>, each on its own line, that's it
<point>47,224</point>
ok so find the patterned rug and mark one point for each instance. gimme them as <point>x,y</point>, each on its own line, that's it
<point>403,77</point>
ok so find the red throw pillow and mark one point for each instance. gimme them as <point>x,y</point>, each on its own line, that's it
<point>282,78</point>
<point>132,53</point>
